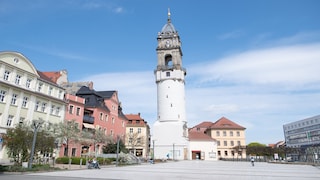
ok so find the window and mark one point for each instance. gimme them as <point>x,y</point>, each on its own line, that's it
<point>130,140</point>
<point>131,130</point>
<point>21,120</point>
<point>139,130</point>
<point>37,106</point>
<point>224,133</point>
<point>113,120</point>
<point>225,143</point>
<point>52,109</point>
<point>238,133</point>
<point>73,153</point>
<point>218,133</point>
<point>231,143</point>
<point>71,109</point>
<point>226,153</point>
<point>2,95</point>
<point>219,153</point>
<point>28,83</point>
<point>218,143</point>
<point>137,121</point>
<point>111,133</point>
<point>231,133</point>
<point>232,153</point>
<point>130,122</point>
<point>40,87</point>
<point>14,99</point>
<point>58,111</point>
<point>50,90</point>
<point>139,141</point>
<point>43,107</point>
<point>60,94</point>
<point>78,111</point>
<point>9,120</point>
<point>239,144</point>
<point>17,81</point>
<point>168,74</point>
<point>6,75</point>
<point>24,102</point>
<point>101,116</point>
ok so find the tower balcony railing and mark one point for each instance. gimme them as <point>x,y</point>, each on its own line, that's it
<point>171,67</point>
<point>88,119</point>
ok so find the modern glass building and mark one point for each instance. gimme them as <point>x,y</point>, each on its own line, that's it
<point>304,132</point>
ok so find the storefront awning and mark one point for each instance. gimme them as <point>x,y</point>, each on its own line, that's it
<point>89,126</point>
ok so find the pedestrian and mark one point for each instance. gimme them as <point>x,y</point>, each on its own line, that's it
<point>252,161</point>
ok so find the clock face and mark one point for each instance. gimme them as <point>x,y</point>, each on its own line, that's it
<point>168,43</point>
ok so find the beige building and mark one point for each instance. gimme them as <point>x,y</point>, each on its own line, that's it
<point>137,135</point>
<point>27,94</point>
<point>230,137</point>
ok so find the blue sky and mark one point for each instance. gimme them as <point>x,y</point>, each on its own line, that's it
<point>255,62</point>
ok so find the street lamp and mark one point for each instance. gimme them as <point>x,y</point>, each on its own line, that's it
<point>35,125</point>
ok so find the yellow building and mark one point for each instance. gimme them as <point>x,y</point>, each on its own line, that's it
<point>27,94</point>
<point>230,137</point>
<point>137,135</point>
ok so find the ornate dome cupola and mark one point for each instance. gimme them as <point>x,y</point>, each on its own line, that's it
<point>169,47</point>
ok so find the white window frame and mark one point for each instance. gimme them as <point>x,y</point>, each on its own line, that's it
<point>2,95</point>
<point>6,75</point>
<point>18,79</point>
<point>10,120</point>
<point>25,101</point>
<point>14,99</point>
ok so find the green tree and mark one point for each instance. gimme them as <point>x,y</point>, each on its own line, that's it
<point>257,149</point>
<point>18,143</point>
<point>95,137</point>
<point>111,148</point>
<point>135,140</point>
<point>67,131</point>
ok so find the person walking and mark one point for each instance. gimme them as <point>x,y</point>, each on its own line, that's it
<point>252,161</point>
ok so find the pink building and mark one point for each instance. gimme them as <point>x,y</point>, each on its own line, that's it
<point>74,111</point>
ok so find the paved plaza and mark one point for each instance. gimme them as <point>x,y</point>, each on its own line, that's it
<point>220,170</point>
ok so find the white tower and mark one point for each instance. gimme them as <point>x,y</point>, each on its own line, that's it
<point>170,129</point>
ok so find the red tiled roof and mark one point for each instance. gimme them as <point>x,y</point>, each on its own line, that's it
<point>224,123</point>
<point>205,124</point>
<point>50,76</point>
<point>199,136</point>
<point>133,117</point>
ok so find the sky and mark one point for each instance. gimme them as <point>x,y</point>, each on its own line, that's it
<point>255,62</point>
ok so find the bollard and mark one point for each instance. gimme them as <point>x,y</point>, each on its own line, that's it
<point>80,163</point>
<point>70,160</point>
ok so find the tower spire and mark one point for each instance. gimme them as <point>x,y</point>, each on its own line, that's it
<point>169,16</point>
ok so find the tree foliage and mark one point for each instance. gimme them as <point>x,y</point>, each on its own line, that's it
<point>19,142</point>
<point>67,132</point>
<point>111,148</point>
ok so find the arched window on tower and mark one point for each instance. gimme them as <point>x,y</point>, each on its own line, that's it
<point>168,61</point>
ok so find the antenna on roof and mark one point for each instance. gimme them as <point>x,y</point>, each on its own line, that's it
<point>169,14</point>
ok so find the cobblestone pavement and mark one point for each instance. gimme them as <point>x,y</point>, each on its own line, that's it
<point>220,170</point>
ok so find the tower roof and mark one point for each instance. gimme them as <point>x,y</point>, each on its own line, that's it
<point>168,28</point>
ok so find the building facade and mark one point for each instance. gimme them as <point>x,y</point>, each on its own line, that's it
<point>27,94</point>
<point>230,137</point>
<point>303,132</point>
<point>201,145</point>
<point>137,136</point>
<point>170,129</point>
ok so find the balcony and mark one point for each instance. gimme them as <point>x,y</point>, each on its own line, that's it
<point>88,119</point>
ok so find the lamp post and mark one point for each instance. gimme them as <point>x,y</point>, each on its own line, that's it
<point>36,125</point>
<point>118,144</point>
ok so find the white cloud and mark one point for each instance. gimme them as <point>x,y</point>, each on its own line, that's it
<point>290,65</point>
<point>231,35</point>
